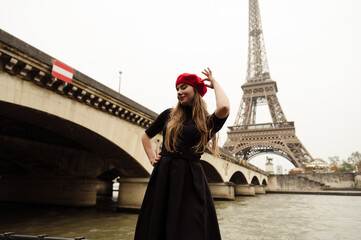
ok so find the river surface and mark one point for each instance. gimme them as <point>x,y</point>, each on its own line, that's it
<point>270,216</point>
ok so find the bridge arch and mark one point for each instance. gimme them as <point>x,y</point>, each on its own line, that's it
<point>264,182</point>
<point>238,178</point>
<point>255,181</point>
<point>251,150</point>
<point>124,134</point>
<point>211,172</point>
<point>57,146</point>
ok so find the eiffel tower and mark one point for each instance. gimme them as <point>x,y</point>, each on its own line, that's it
<point>247,139</point>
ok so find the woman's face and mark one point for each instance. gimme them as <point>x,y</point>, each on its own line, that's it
<point>185,94</point>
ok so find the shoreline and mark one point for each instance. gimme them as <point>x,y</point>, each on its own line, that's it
<point>322,192</point>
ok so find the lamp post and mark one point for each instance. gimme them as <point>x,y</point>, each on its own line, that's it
<point>120,79</point>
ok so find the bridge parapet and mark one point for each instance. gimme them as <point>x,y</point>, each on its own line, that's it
<point>30,64</point>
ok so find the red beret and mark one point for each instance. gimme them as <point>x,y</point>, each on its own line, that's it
<point>194,81</point>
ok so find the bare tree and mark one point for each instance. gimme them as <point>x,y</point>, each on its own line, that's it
<point>355,160</point>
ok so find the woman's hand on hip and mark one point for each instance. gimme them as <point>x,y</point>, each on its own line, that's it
<point>156,158</point>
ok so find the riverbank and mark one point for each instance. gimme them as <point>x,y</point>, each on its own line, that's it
<point>321,192</point>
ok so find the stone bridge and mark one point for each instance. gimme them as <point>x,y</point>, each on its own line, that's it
<point>65,143</point>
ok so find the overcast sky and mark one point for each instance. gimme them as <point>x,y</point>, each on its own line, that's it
<point>313,49</point>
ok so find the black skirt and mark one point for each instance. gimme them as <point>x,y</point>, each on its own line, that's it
<point>178,204</point>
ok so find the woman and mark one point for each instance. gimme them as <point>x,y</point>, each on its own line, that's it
<point>178,204</point>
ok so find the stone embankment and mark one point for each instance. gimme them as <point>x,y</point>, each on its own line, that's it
<point>316,183</point>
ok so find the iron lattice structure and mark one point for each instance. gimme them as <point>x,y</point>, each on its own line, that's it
<point>247,139</point>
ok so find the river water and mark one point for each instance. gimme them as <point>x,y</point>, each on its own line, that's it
<point>270,216</point>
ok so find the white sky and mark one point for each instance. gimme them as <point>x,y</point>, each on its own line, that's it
<point>313,49</point>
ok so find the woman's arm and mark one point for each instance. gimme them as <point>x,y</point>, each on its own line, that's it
<point>222,102</point>
<point>148,148</point>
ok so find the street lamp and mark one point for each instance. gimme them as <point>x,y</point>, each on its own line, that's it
<point>120,79</point>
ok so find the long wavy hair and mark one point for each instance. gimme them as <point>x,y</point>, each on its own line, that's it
<point>202,121</point>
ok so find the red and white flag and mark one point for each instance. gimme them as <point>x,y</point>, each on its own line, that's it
<point>62,71</point>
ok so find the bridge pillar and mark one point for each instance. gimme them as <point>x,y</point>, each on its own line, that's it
<point>244,190</point>
<point>222,191</point>
<point>260,189</point>
<point>131,193</point>
<point>49,190</point>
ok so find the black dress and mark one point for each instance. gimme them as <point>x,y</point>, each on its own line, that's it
<point>178,204</point>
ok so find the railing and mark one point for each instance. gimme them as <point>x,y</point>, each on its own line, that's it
<point>13,236</point>
<point>262,126</point>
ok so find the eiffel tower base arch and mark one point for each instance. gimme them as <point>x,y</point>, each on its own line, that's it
<point>249,141</point>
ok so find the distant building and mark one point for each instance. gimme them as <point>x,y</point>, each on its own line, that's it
<point>269,165</point>
<point>279,169</point>
<point>317,166</point>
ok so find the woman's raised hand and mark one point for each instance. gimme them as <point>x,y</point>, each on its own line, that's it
<point>209,77</point>
<point>222,101</point>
